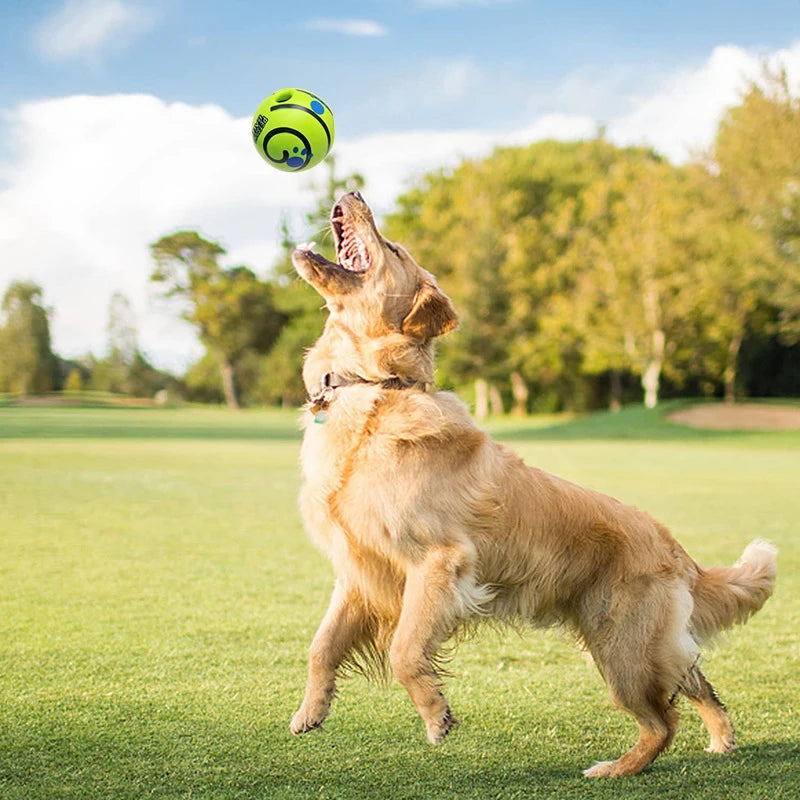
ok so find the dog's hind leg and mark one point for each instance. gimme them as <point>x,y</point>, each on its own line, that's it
<point>433,603</point>
<point>712,711</point>
<point>657,721</point>
<point>643,652</point>
<point>343,628</point>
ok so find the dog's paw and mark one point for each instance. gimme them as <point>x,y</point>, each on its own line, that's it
<point>603,769</point>
<point>722,746</point>
<point>307,719</point>
<point>439,729</point>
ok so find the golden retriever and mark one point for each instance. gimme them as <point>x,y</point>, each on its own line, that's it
<point>432,526</point>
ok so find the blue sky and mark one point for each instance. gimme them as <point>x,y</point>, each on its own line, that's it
<point>122,120</point>
<point>518,51</point>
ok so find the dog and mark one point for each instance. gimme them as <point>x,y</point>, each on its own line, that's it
<point>432,527</point>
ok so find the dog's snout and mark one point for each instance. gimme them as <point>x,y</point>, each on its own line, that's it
<point>357,196</point>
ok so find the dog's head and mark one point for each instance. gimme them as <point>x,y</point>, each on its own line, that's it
<point>381,302</point>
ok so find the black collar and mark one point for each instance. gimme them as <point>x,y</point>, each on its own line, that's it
<point>332,381</point>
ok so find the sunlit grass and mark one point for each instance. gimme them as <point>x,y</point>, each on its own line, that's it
<point>159,594</point>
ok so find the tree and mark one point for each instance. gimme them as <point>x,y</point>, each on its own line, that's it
<point>74,382</point>
<point>736,261</point>
<point>234,312</point>
<point>27,364</point>
<point>635,270</point>
<point>121,329</point>
<point>452,225</point>
<point>492,230</point>
<point>756,155</point>
<point>456,224</point>
<point>112,373</point>
<point>546,349</point>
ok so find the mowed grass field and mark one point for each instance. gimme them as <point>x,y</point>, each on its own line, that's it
<point>158,594</point>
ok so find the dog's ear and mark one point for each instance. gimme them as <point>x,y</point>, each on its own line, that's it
<point>432,314</point>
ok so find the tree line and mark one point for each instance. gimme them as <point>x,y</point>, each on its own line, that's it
<point>585,275</point>
<point>584,269</point>
<point>28,365</point>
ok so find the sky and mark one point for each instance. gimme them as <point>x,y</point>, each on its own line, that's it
<point>122,121</point>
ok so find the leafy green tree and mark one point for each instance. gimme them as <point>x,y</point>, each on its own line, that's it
<point>451,225</point>
<point>74,381</point>
<point>492,230</point>
<point>203,381</point>
<point>234,312</point>
<point>634,300</point>
<point>144,380</point>
<point>734,264</point>
<point>756,155</point>
<point>27,363</point>
<point>551,179</point>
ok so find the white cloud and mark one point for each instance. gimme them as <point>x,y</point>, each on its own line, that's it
<point>95,180</point>
<point>680,119</point>
<point>85,28</point>
<point>348,27</point>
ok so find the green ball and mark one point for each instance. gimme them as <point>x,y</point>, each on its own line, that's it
<point>293,130</point>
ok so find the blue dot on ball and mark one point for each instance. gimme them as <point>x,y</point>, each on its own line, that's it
<point>317,107</point>
<point>296,161</point>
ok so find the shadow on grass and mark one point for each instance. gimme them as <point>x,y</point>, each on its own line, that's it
<point>765,771</point>
<point>198,760</point>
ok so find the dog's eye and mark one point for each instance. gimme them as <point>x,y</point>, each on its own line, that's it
<point>393,249</point>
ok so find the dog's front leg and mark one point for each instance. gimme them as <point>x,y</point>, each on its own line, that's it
<point>340,630</point>
<point>431,609</point>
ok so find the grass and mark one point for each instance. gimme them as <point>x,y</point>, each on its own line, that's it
<point>159,593</point>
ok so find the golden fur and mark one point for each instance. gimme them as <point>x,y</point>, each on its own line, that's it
<point>431,526</point>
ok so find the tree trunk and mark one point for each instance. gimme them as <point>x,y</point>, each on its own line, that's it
<point>650,381</point>
<point>651,377</point>
<point>226,368</point>
<point>481,398</point>
<point>615,401</point>
<point>521,394</point>
<point>730,368</point>
<point>496,401</point>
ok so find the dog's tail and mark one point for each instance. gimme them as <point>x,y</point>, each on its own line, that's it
<point>724,596</point>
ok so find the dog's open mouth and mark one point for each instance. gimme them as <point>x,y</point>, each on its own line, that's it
<point>351,252</point>
<point>356,241</point>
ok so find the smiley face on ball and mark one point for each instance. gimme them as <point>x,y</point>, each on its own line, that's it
<point>293,129</point>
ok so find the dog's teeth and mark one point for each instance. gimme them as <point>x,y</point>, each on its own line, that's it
<point>307,246</point>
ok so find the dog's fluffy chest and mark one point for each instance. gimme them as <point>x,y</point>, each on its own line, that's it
<point>333,434</point>
<point>320,453</point>
<point>341,513</point>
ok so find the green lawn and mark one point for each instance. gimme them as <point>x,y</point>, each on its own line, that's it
<point>158,594</point>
